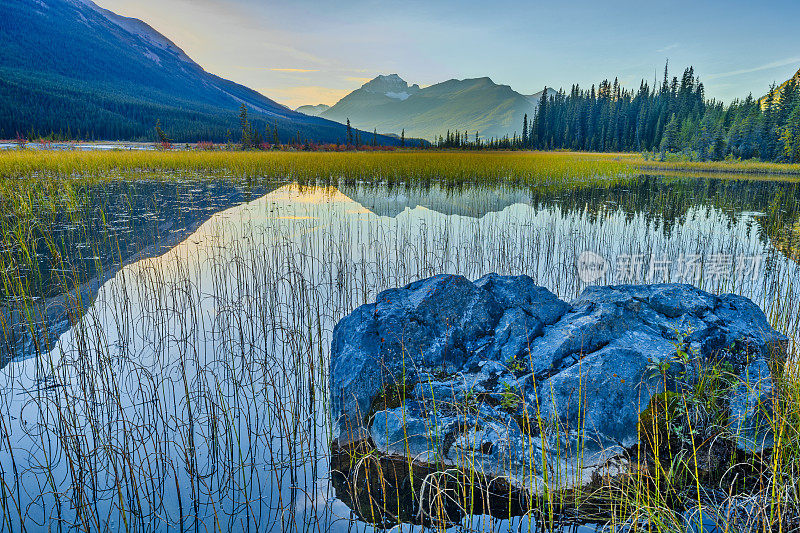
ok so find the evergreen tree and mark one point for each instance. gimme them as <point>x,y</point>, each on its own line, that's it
<point>163,139</point>
<point>256,140</point>
<point>790,137</point>
<point>244,122</point>
<point>670,140</point>
<point>525,131</point>
<point>673,116</point>
<point>541,121</point>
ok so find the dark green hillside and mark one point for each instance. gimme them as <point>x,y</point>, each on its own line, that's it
<point>71,68</point>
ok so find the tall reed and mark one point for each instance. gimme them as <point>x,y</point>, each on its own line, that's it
<point>191,393</point>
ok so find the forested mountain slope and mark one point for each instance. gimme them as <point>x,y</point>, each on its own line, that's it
<point>72,68</point>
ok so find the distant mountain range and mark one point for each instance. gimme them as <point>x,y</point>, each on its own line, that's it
<point>313,110</point>
<point>71,67</point>
<point>390,105</point>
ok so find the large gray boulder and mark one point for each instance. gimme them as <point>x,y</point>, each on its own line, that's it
<point>502,377</point>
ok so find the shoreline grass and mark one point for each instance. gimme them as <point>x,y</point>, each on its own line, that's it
<point>452,166</point>
<point>515,167</point>
<point>754,168</point>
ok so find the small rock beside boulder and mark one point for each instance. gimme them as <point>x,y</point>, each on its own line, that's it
<point>501,377</point>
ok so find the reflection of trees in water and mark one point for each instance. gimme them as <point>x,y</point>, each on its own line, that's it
<point>775,205</point>
<point>669,200</point>
<point>114,223</point>
<point>117,221</point>
<point>662,202</point>
<point>787,240</point>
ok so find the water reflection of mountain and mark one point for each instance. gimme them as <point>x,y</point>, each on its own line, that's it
<point>666,201</point>
<point>120,222</point>
<point>112,225</point>
<point>462,201</point>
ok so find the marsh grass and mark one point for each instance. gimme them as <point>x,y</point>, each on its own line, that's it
<point>538,168</point>
<point>191,392</point>
<point>34,168</point>
<point>753,168</point>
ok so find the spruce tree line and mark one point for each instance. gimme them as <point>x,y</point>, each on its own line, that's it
<point>463,140</point>
<point>671,117</point>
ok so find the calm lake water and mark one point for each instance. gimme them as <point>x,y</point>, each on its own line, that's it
<point>192,392</point>
<point>105,228</point>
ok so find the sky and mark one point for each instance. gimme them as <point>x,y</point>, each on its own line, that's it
<point>309,52</point>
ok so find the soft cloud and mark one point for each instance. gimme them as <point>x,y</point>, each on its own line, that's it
<point>767,66</point>
<point>273,69</point>
<point>321,50</point>
<point>294,97</point>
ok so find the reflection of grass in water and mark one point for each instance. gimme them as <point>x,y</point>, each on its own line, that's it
<point>37,187</point>
<point>201,433</point>
<point>64,236</point>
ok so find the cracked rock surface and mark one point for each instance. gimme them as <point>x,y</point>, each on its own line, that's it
<point>501,376</point>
